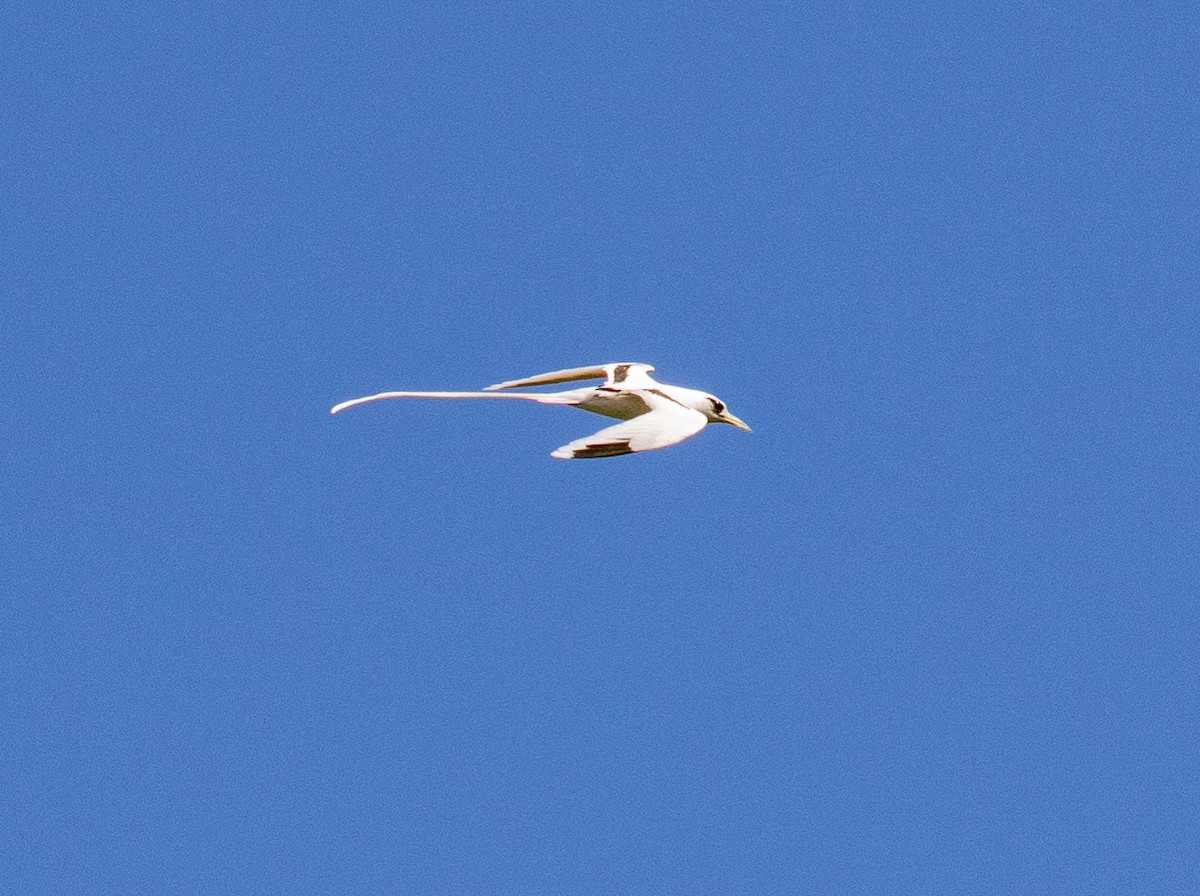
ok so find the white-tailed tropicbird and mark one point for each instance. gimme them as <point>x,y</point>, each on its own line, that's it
<point>656,415</point>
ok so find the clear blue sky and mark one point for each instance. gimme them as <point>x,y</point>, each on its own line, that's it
<point>931,628</point>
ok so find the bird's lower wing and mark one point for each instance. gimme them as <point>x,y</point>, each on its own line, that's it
<point>665,424</point>
<point>614,374</point>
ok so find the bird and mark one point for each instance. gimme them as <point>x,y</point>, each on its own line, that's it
<point>655,415</point>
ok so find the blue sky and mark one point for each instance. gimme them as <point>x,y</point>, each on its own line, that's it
<point>932,627</point>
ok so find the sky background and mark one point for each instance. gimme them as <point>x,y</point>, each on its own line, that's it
<point>931,628</point>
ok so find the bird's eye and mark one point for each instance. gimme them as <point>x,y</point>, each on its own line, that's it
<point>718,407</point>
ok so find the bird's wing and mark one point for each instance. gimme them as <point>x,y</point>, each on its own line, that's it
<point>614,374</point>
<point>666,423</point>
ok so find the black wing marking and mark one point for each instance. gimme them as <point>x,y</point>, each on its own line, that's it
<point>604,449</point>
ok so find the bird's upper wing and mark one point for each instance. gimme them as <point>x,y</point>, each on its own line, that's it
<point>614,374</point>
<point>666,423</point>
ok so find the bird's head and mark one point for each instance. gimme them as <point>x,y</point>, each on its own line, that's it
<point>718,413</point>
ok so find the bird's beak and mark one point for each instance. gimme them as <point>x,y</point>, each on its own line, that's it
<point>729,418</point>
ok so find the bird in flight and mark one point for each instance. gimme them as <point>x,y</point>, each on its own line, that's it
<point>655,415</point>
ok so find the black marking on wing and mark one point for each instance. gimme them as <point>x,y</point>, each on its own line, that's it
<point>604,449</point>
<point>662,394</point>
<point>620,372</point>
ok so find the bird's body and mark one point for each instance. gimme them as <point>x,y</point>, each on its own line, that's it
<point>655,414</point>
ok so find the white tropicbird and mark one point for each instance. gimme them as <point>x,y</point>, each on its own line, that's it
<point>656,415</point>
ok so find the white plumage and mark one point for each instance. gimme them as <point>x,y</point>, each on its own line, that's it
<point>655,414</point>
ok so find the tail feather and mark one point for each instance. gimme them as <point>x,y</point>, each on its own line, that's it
<point>544,398</point>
